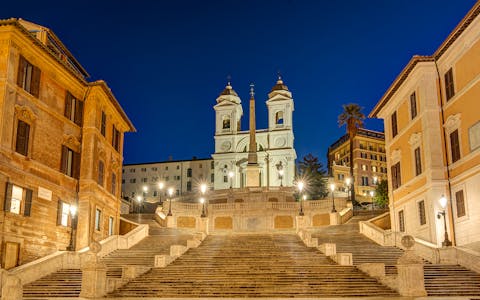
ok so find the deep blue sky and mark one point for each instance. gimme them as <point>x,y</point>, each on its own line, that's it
<point>167,61</point>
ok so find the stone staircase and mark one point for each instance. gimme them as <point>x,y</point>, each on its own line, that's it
<point>67,282</point>
<point>440,280</point>
<point>255,265</point>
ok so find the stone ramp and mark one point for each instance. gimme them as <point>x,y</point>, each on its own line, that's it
<point>253,265</point>
<point>440,280</point>
<point>67,282</point>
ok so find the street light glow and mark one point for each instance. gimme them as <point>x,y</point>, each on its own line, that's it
<point>280,172</point>
<point>230,174</point>
<point>300,186</point>
<point>304,197</point>
<point>348,181</point>
<point>443,201</point>
<point>203,188</point>
<point>202,200</point>
<point>139,199</point>
<point>332,187</point>
<point>170,191</point>
<point>145,188</point>
<point>73,210</point>
<point>372,193</point>
<point>161,185</point>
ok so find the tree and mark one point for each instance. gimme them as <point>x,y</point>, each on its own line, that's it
<point>312,172</point>
<point>352,117</point>
<point>381,194</point>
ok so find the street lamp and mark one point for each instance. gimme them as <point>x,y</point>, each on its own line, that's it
<point>375,179</point>
<point>170,194</point>
<point>230,175</point>
<point>300,186</point>
<point>348,182</point>
<point>139,200</point>
<point>280,176</point>
<point>443,203</point>
<point>372,193</point>
<point>202,200</point>
<point>73,214</point>
<point>161,185</point>
<point>332,188</point>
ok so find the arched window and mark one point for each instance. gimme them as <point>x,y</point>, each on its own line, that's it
<point>226,122</point>
<point>279,118</point>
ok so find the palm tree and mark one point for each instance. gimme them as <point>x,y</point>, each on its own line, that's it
<point>352,117</point>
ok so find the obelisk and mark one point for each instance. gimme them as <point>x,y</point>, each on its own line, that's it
<point>253,170</point>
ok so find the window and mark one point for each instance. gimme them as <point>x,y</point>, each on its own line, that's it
<point>225,178</point>
<point>155,193</point>
<point>133,180</point>
<point>455,145</point>
<point>123,181</point>
<point>101,172</point>
<point>70,164</point>
<point>154,168</point>
<point>418,162</point>
<point>178,167</point>
<point>279,118</point>
<point>401,221</point>
<point>103,124</point>
<point>200,166</point>
<point>23,132</point>
<point>132,170</point>
<point>113,186</point>
<point>189,172</point>
<point>189,186</point>
<point>143,169</point>
<point>226,122</point>
<point>28,77</point>
<point>413,105</point>
<point>341,176</point>
<point>115,138</point>
<point>16,197</point>
<point>374,168</point>
<point>460,202</point>
<point>166,168</point>
<point>144,179</point>
<point>394,125</point>
<point>167,178</point>
<point>110,225</point>
<point>396,176</point>
<point>421,213</point>
<point>364,167</point>
<point>212,165</point>
<point>449,86</point>
<point>212,177</point>
<point>364,180</point>
<point>63,213</point>
<point>73,109</point>
<point>98,219</point>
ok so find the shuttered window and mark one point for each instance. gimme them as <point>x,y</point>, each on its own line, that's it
<point>114,184</point>
<point>70,162</point>
<point>103,124</point>
<point>413,105</point>
<point>18,198</point>
<point>28,77</point>
<point>101,173</point>
<point>394,124</point>
<point>396,176</point>
<point>98,219</point>
<point>401,221</point>
<point>115,138</point>
<point>73,109</point>
<point>421,213</point>
<point>23,132</point>
<point>449,85</point>
<point>418,162</point>
<point>455,145</point>
<point>460,201</point>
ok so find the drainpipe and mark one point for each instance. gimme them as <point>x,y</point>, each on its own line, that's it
<point>452,223</point>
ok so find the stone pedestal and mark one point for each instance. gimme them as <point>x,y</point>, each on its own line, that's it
<point>94,279</point>
<point>12,288</point>
<point>334,218</point>
<point>253,176</point>
<point>410,271</point>
<point>328,249</point>
<point>170,222</point>
<point>300,223</point>
<point>203,225</point>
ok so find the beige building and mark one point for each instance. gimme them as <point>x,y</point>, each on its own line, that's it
<point>369,163</point>
<point>432,130</point>
<point>183,176</point>
<point>61,142</point>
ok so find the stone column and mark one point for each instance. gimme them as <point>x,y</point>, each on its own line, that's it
<point>94,274</point>
<point>410,271</point>
<point>12,288</point>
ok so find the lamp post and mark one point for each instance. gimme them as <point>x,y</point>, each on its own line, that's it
<point>300,186</point>
<point>161,185</point>
<point>139,200</point>
<point>73,232</point>
<point>443,203</point>
<point>203,190</point>
<point>230,176</point>
<point>348,182</point>
<point>280,176</point>
<point>372,193</point>
<point>170,194</point>
<point>202,200</point>
<point>332,189</point>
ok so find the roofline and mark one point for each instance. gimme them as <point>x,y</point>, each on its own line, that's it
<point>115,102</point>
<point>346,135</point>
<point>452,37</point>
<point>16,23</point>
<point>167,161</point>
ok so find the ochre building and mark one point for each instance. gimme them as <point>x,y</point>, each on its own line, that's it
<point>432,132</point>
<point>61,142</point>
<point>369,163</point>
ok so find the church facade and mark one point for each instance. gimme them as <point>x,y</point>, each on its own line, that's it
<point>274,145</point>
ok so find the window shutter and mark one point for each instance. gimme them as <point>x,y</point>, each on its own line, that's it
<point>78,112</point>
<point>76,164</point>
<point>22,64</point>
<point>68,105</point>
<point>23,130</point>
<point>28,202</point>
<point>59,212</point>
<point>64,160</point>
<point>8,196</point>
<point>35,86</point>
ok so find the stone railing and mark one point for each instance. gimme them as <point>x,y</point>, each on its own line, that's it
<point>73,260</point>
<point>431,252</point>
<point>345,215</point>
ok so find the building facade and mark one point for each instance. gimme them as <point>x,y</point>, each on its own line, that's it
<point>369,163</point>
<point>152,180</point>
<point>61,142</point>
<point>432,131</point>
<point>275,150</point>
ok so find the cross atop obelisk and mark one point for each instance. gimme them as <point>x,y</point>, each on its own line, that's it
<point>253,170</point>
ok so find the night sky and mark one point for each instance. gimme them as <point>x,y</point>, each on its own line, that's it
<point>167,61</point>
